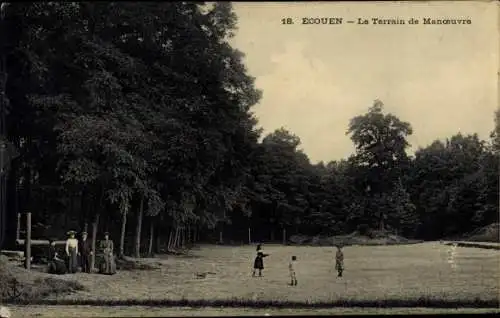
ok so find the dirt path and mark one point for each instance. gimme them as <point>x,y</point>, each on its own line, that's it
<point>89,311</point>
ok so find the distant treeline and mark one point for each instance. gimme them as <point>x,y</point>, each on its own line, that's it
<point>140,114</point>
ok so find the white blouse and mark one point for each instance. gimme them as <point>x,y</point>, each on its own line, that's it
<point>71,243</point>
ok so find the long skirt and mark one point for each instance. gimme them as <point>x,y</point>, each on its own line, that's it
<point>73,260</point>
<point>57,266</point>
<point>108,266</point>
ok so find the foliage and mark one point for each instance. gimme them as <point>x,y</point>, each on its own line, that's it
<point>112,102</point>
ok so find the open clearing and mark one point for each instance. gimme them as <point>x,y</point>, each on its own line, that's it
<point>137,311</point>
<point>372,273</point>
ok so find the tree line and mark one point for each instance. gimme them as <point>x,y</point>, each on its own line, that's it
<point>136,118</point>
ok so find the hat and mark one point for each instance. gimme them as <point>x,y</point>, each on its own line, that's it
<point>106,233</point>
<point>84,232</point>
<point>71,232</point>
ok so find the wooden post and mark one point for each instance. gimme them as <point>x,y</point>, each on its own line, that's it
<point>28,241</point>
<point>249,236</point>
<point>284,236</point>
<point>94,238</point>
<point>18,228</point>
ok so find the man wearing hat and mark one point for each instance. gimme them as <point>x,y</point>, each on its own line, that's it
<point>72,252</point>
<point>85,249</point>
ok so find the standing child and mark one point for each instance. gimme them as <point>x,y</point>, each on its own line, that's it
<point>258,264</point>
<point>339,261</point>
<point>292,269</point>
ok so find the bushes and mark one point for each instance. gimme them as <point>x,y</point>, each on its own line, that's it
<point>20,285</point>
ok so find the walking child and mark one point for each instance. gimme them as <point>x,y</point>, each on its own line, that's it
<point>339,261</point>
<point>258,264</point>
<point>292,267</point>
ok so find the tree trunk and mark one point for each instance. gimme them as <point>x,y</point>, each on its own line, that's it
<point>189,233</point>
<point>169,245</point>
<point>138,229</point>
<point>249,236</point>
<point>94,238</point>
<point>83,210</point>
<point>151,237</point>
<point>284,236</point>
<point>176,237</point>
<point>183,237</point>
<point>123,231</point>
<point>158,242</point>
<point>381,224</point>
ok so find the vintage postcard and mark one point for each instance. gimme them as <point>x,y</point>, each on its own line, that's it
<point>249,158</point>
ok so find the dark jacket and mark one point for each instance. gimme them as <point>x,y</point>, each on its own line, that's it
<point>85,247</point>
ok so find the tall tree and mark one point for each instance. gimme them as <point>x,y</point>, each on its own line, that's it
<point>380,141</point>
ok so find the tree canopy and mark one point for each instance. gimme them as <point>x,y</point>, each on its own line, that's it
<point>144,110</point>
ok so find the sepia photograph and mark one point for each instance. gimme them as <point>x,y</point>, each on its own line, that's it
<point>249,158</point>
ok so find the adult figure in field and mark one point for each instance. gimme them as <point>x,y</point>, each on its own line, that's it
<point>339,261</point>
<point>56,264</point>
<point>108,266</point>
<point>258,263</point>
<point>72,252</point>
<point>85,250</point>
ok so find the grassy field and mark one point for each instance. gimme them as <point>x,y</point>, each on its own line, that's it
<point>137,311</point>
<point>404,272</point>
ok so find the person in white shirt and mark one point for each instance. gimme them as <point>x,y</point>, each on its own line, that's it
<point>292,268</point>
<point>72,252</point>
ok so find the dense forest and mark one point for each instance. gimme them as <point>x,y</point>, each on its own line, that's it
<point>137,118</point>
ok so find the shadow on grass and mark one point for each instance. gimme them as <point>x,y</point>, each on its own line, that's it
<point>239,303</point>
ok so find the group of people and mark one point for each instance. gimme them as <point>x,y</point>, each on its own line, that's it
<point>258,264</point>
<point>78,254</point>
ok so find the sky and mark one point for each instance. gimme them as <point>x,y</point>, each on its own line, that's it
<point>441,78</point>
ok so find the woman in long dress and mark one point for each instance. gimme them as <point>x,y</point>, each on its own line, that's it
<point>56,265</point>
<point>108,266</point>
<point>72,252</point>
